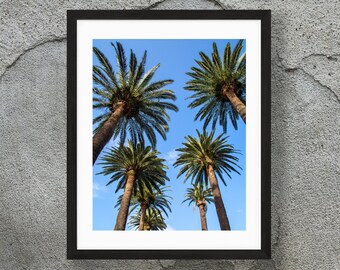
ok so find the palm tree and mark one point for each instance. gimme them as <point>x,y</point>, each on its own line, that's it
<point>145,199</point>
<point>130,102</point>
<point>203,157</point>
<point>134,167</point>
<point>153,221</point>
<point>200,197</point>
<point>219,86</point>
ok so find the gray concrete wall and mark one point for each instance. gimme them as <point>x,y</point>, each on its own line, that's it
<point>305,134</point>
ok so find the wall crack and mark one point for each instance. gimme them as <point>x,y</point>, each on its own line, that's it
<point>154,5</point>
<point>222,5</point>
<point>55,39</point>
<point>332,57</point>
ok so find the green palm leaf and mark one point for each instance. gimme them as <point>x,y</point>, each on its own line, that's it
<point>145,102</point>
<point>149,168</point>
<point>150,196</point>
<point>210,78</point>
<point>153,221</point>
<point>205,150</point>
<point>198,194</point>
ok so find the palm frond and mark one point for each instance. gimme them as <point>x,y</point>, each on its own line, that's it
<point>198,194</point>
<point>207,81</point>
<point>198,153</point>
<point>146,194</point>
<point>146,102</point>
<point>149,169</point>
<point>153,221</point>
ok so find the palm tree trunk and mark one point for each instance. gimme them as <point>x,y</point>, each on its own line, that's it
<point>229,93</point>
<point>125,204</point>
<point>203,217</point>
<point>220,210</point>
<point>104,134</point>
<point>142,217</point>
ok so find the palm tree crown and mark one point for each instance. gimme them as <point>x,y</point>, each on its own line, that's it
<point>198,195</point>
<point>213,80</point>
<point>153,221</point>
<point>152,198</point>
<point>134,167</point>
<point>203,157</point>
<point>144,104</point>
<point>197,154</point>
<point>148,169</point>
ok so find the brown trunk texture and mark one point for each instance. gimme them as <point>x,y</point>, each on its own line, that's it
<point>203,217</point>
<point>220,210</point>
<point>125,204</point>
<point>230,94</point>
<point>142,217</point>
<point>104,134</point>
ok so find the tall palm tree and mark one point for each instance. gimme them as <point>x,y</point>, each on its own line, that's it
<point>201,158</point>
<point>200,197</point>
<point>145,199</point>
<point>134,167</point>
<point>130,102</point>
<point>220,86</point>
<point>153,221</point>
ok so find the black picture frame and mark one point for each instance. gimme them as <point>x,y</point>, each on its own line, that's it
<point>265,17</point>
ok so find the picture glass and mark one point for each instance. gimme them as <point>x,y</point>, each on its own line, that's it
<point>176,58</point>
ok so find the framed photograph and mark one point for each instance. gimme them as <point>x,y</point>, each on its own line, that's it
<point>168,152</point>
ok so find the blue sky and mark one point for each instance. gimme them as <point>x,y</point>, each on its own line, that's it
<point>176,58</point>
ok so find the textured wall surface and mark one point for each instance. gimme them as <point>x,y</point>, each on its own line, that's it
<point>305,134</point>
